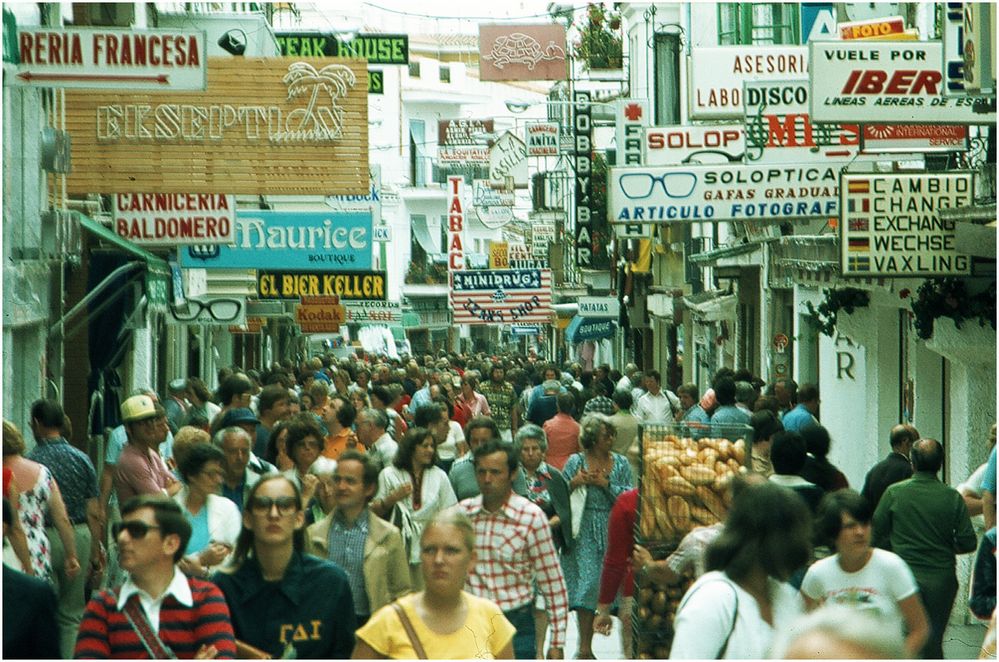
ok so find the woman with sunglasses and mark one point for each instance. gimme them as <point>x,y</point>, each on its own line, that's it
<point>281,600</point>
<point>214,519</point>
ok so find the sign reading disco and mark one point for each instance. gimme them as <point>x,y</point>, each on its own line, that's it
<point>713,193</point>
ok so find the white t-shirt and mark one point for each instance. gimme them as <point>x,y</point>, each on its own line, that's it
<point>704,619</point>
<point>449,448</point>
<point>657,408</point>
<point>880,585</point>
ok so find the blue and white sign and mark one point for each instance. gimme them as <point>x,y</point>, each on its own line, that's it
<point>525,330</point>
<point>818,21</point>
<point>290,241</point>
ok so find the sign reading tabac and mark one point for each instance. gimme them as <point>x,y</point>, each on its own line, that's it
<point>522,52</point>
<point>891,225</point>
<point>298,128</point>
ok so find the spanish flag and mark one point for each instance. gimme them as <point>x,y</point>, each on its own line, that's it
<point>859,186</point>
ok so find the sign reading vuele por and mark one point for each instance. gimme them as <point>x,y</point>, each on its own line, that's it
<point>300,128</point>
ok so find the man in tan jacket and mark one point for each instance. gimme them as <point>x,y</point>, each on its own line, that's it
<point>368,548</point>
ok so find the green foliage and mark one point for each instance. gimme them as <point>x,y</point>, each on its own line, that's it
<point>599,44</point>
<point>846,299</point>
<point>948,297</point>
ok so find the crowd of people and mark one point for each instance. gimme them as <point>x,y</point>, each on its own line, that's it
<point>464,506</point>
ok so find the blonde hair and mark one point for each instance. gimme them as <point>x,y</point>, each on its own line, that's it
<point>13,441</point>
<point>457,519</point>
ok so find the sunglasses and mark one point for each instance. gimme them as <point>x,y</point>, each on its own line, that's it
<point>263,504</point>
<point>136,529</point>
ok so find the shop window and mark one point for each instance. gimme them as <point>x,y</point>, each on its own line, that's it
<point>749,23</point>
<point>414,69</point>
<point>445,74</point>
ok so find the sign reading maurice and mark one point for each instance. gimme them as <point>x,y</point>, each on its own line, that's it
<point>290,240</point>
<point>522,52</point>
<point>510,296</point>
<point>300,128</point>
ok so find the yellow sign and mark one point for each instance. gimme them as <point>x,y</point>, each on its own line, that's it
<point>499,256</point>
<point>277,126</point>
<point>324,318</point>
<point>361,285</point>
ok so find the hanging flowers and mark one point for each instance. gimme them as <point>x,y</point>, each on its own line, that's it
<point>599,43</point>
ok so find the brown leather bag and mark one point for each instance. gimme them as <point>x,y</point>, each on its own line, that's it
<point>245,651</point>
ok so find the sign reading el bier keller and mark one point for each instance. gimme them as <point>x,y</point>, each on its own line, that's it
<point>365,285</point>
<point>891,225</point>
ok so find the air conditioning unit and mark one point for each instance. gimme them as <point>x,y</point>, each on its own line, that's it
<point>60,236</point>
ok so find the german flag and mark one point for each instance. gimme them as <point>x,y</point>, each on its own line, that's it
<point>859,186</point>
<point>860,244</point>
<point>859,263</point>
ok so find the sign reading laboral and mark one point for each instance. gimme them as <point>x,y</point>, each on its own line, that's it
<point>723,193</point>
<point>717,75</point>
<point>542,138</point>
<point>301,128</point>
<point>599,307</point>
<point>175,218</point>
<point>367,285</point>
<point>110,58</point>
<point>290,240</point>
<point>522,52</point>
<point>890,82</point>
<point>891,225</point>
<point>373,311</point>
<point>510,296</point>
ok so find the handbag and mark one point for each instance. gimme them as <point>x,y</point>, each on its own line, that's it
<point>410,632</point>
<point>150,640</point>
<point>577,504</point>
<point>402,519</point>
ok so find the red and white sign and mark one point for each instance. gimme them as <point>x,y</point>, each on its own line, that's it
<point>716,76</point>
<point>878,28</point>
<point>699,143</point>
<point>175,219</point>
<point>631,118</point>
<point>507,296</point>
<point>898,82</point>
<point>105,58</point>
<point>522,52</point>
<point>455,225</point>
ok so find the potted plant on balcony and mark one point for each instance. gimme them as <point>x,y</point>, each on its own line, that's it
<point>599,43</point>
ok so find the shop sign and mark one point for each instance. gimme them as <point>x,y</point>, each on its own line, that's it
<point>599,307</point>
<point>290,240</point>
<point>722,193</point>
<point>885,83</point>
<point>511,296</point>
<point>542,234</point>
<point>878,28</point>
<point>464,154</point>
<point>173,219</point>
<point>542,138</point>
<point>253,325</point>
<point>891,227</point>
<point>522,52</point>
<point>366,285</point>
<point>373,311</point>
<point>508,161</point>
<point>463,131</point>
<point>632,116</point>
<point>370,202</point>
<point>525,330</point>
<point>208,310</point>
<point>953,47</point>
<point>914,138</point>
<point>696,143</point>
<point>717,75</point>
<point>319,314</point>
<point>302,131</point>
<point>499,257</point>
<point>818,21</point>
<point>518,252</point>
<point>373,48</point>
<point>455,224</point>
<point>582,133</point>
<point>109,58</point>
<point>484,195</point>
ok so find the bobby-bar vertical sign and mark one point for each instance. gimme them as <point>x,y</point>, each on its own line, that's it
<point>891,224</point>
<point>582,131</point>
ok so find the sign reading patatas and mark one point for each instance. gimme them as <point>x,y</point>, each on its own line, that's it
<point>297,284</point>
<point>299,127</point>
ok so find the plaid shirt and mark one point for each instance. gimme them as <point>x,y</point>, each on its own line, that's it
<point>600,404</point>
<point>514,548</point>
<point>501,399</point>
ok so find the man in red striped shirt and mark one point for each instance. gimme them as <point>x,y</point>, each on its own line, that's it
<point>178,614</point>
<point>514,548</point>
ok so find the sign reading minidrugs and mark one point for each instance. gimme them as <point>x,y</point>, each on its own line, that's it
<point>716,75</point>
<point>722,193</point>
<point>175,218</point>
<point>891,225</point>
<point>296,284</point>
<point>885,82</point>
<point>508,296</point>
<point>298,240</point>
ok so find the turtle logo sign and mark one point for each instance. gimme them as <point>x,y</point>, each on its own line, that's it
<point>518,47</point>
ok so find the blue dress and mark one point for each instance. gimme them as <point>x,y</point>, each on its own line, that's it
<point>582,565</point>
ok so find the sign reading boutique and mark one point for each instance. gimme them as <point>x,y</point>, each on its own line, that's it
<point>290,240</point>
<point>722,193</point>
<point>300,129</point>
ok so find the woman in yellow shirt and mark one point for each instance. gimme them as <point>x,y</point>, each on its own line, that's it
<point>444,622</point>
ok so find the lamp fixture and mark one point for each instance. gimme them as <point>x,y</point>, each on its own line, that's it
<point>233,42</point>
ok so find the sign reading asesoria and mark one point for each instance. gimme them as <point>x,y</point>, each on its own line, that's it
<point>509,296</point>
<point>300,128</point>
<point>891,224</point>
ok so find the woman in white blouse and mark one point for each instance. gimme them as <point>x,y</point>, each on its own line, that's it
<point>214,519</point>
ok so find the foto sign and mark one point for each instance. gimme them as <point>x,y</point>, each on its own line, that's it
<point>675,145</point>
<point>885,83</point>
<point>729,193</point>
<point>290,240</point>
<point>174,219</point>
<point>717,74</point>
<point>878,28</point>
<point>110,58</point>
<point>607,307</point>
<point>891,225</point>
<point>542,138</point>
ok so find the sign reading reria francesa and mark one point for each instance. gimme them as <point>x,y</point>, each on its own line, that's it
<point>301,128</point>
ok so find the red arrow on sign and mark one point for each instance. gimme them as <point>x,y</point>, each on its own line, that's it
<point>28,76</point>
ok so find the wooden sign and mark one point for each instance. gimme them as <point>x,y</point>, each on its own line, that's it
<point>300,128</point>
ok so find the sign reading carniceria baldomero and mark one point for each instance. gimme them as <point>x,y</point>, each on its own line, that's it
<point>175,218</point>
<point>299,127</point>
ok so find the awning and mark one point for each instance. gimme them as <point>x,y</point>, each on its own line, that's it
<point>422,232</point>
<point>154,264</point>
<point>711,306</point>
<point>581,329</point>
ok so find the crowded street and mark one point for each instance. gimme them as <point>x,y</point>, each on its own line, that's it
<point>528,330</point>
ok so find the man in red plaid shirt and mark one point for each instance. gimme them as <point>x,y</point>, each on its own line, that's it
<point>514,548</point>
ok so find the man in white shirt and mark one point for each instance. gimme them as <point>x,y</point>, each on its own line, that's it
<point>372,431</point>
<point>656,405</point>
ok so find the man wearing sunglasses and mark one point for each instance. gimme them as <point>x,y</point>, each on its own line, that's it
<point>157,612</point>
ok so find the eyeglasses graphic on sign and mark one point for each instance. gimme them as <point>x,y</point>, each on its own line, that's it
<point>220,310</point>
<point>639,185</point>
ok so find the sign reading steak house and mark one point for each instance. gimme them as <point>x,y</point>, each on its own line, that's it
<point>300,128</point>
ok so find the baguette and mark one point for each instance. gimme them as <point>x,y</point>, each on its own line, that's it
<point>698,474</point>
<point>679,513</point>
<point>711,501</point>
<point>678,486</point>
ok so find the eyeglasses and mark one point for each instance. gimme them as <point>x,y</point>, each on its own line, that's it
<point>136,529</point>
<point>221,310</point>
<point>642,184</point>
<point>263,504</point>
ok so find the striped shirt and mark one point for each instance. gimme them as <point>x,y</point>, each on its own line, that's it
<point>514,549</point>
<point>106,633</point>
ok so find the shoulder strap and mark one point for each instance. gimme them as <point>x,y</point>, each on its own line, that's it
<point>150,640</point>
<point>410,632</point>
<point>735,613</point>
